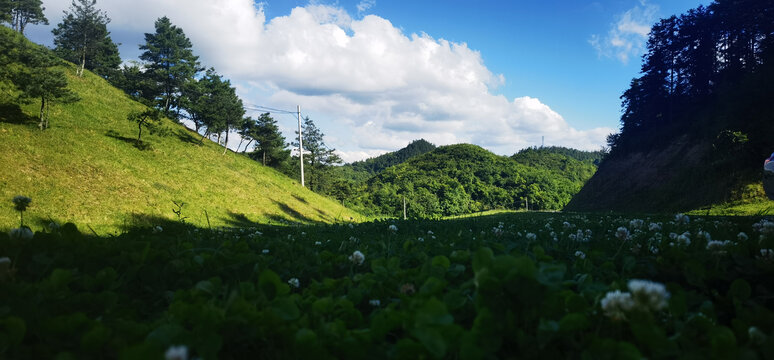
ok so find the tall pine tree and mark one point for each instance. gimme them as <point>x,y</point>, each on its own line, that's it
<point>170,64</point>
<point>23,13</point>
<point>318,157</point>
<point>270,150</point>
<point>82,38</point>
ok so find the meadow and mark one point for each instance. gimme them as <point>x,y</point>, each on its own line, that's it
<point>511,285</point>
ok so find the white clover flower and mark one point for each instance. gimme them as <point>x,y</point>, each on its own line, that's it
<point>636,223</point>
<point>615,304</point>
<point>5,261</point>
<point>767,254</point>
<point>497,231</point>
<point>351,226</point>
<point>579,254</point>
<point>653,250</point>
<point>673,236</point>
<point>718,246</point>
<point>293,282</point>
<point>22,233</point>
<point>303,233</point>
<point>572,237</point>
<point>157,229</point>
<point>357,257</point>
<point>375,302</point>
<point>682,219</point>
<point>531,236</point>
<point>742,236</point>
<point>622,233</point>
<point>176,353</point>
<point>421,239</point>
<point>566,225</point>
<point>704,234</point>
<point>392,228</point>
<point>430,232</point>
<point>649,295</point>
<point>654,226</point>
<point>684,239</point>
<point>318,243</point>
<point>265,251</point>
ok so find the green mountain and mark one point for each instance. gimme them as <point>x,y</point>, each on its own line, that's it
<point>361,171</point>
<point>86,168</point>
<point>464,178</point>
<point>697,123</point>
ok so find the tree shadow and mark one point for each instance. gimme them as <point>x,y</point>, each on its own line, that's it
<point>301,199</point>
<point>13,114</point>
<point>139,220</point>
<point>142,145</point>
<point>241,220</point>
<point>185,136</point>
<point>294,214</point>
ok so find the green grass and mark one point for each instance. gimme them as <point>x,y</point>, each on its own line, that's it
<point>86,169</point>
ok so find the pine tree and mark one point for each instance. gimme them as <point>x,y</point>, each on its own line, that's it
<point>39,80</point>
<point>82,38</point>
<point>318,156</point>
<point>270,149</point>
<point>23,13</point>
<point>170,64</point>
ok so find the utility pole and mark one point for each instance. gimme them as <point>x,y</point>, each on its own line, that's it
<point>300,146</point>
<point>404,208</point>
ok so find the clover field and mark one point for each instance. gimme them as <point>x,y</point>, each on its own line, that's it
<point>523,285</point>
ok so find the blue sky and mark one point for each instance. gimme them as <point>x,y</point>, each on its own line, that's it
<point>375,74</point>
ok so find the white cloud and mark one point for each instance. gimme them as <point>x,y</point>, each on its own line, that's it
<point>365,5</point>
<point>628,35</point>
<point>369,87</point>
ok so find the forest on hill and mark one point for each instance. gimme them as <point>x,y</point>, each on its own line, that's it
<point>463,178</point>
<point>697,123</point>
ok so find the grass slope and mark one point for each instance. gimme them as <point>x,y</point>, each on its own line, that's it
<point>86,169</point>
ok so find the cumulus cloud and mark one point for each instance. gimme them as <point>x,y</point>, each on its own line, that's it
<point>369,86</point>
<point>628,35</point>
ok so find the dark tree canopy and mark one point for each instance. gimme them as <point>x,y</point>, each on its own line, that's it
<point>20,13</point>
<point>212,104</point>
<point>82,38</point>
<point>170,64</point>
<point>270,148</point>
<point>318,157</point>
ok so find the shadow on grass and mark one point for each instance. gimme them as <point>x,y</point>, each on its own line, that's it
<point>301,199</point>
<point>13,114</point>
<point>142,145</point>
<point>185,135</point>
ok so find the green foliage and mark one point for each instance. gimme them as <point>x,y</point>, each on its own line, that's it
<point>211,102</point>
<point>377,164</point>
<point>82,38</point>
<point>86,167</point>
<point>318,158</point>
<point>31,73</point>
<point>700,112</point>
<point>460,179</point>
<point>148,118</point>
<point>20,13</point>
<point>170,64</point>
<point>270,148</point>
<point>507,286</point>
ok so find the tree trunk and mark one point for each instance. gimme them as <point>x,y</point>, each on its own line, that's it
<point>225,145</point>
<point>139,133</point>
<point>204,136</point>
<point>42,124</point>
<point>240,143</point>
<point>83,63</point>
<point>264,158</point>
<point>247,146</point>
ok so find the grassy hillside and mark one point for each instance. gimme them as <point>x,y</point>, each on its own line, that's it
<point>87,169</point>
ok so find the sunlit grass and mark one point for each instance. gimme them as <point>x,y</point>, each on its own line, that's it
<point>87,169</point>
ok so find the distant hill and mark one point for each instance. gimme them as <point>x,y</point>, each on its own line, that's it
<point>695,128</point>
<point>464,178</point>
<point>360,171</point>
<point>86,169</point>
